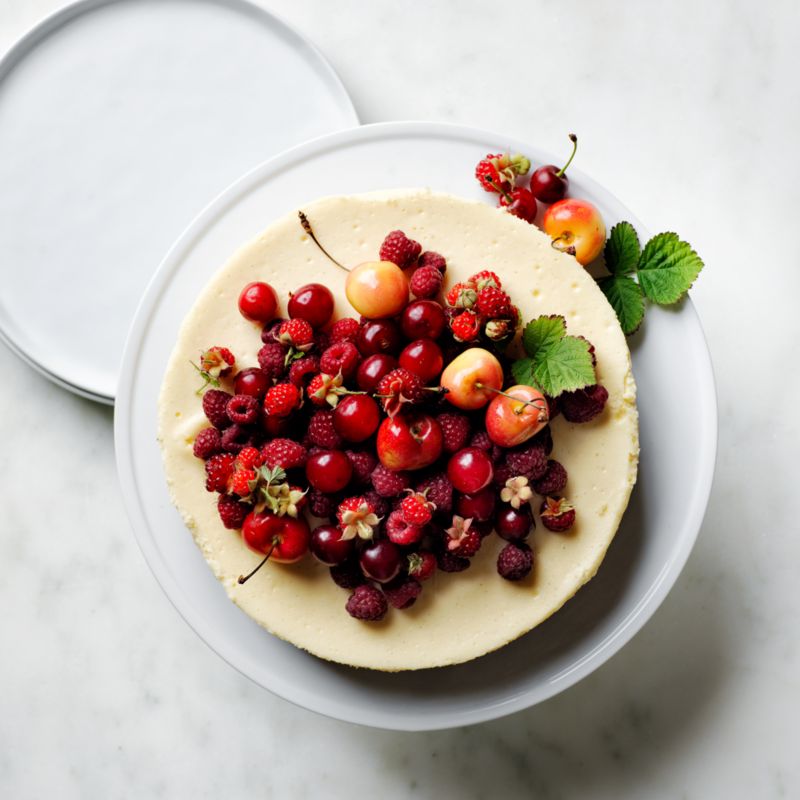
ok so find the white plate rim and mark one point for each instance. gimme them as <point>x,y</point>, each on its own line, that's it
<point>706,451</point>
<point>60,17</point>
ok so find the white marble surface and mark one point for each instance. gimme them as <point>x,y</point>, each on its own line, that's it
<point>690,113</point>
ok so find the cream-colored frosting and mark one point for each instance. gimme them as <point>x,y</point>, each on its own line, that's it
<point>458,616</point>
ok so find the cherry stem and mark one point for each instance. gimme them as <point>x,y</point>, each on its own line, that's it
<point>501,190</point>
<point>537,404</point>
<point>307,228</point>
<point>245,578</point>
<point>574,139</point>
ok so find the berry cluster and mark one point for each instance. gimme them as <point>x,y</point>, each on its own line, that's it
<point>393,433</point>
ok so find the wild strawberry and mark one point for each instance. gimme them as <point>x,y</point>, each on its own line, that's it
<point>219,469</point>
<point>462,295</point>
<point>215,363</point>
<point>480,280</point>
<point>397,388</point>
<point>282,399</point>
<point>557,514</point>
<point>249,458</point>
<point>284,453</point>
<point>399,249</point>
<point>466,326</point>
<point>426,282</point>
<point>323,390</point>
<point>498,170</point>
<point>242,482</point>
<point>357,517</point>
<point>400,530</point>
<point>462,539</point>
<point>499,329</point>
<point>344,330</point>
<point>493,303</point>
<point>416,508</point>
<point>421,565</point>
<point>439,491</point>
<point>296,333</point>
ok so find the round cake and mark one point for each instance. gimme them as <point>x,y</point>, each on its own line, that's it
<point>459,616</point>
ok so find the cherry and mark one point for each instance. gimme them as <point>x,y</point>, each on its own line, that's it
<point>549,183</point>
<point>514,524</point>
<point>252,381</point>
<point>381,561</point>
<point>478,506</point>
<point>379,336</point>
<point>328,546</point>
<point>258,302</point>
<point>313,303</point>
<point>284,539</point>
<point>356,417</point>
<point>470,469</point>
<point>519,202</point>
<point>329,470</point>
<point>424,358</point>
<point>423,319</point>
<point>409,441</point>
<point>372,369</point>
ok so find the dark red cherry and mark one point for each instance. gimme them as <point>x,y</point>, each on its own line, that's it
<point>478,506</point>
<point>356,417</point>
<point>424,358</point>
<point>313,303</point>
<point>252,381</point>
<point>549,184</point>
<point>379,336</point>
<point>328,546</point>
<point>381,561</point>
<point>258,302</point>
<point>329,470</point>
<point>514,524</point>
<point>423,319</point>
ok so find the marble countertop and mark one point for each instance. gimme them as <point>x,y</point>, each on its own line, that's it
<point>690,113</point>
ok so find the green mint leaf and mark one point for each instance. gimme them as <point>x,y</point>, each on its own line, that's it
<point>622,249</point>
<point>542,333</point>
<point>625,296</point>
<point>667,268</point>
<point>556,362</point>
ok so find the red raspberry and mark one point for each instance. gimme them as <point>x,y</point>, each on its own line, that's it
<point>397,388</point>
<point>515,561</point>
<point>421,565</point>
<point>426,282</point>
<point>367,603</point>
<point>322,390</point>
<point>439,491</point>
<point>363,464</point>
<point>553,481</point>
<point>240,481</point>
<point>232,512</point>
<point>207,443</point>
<point>466,326</point>
<point>216,362</point>
<point>235,437</point>
<point>455,430</point>
<point>493,303</point>
<point>284,453</point>
<point>480,280</point>
<point>340,357</point>
<point>481,440</point>
<point>417,509</point>
<point>529,460</point>
<point>582,405</point>
<point>219,469</point>
<point>242,409</point>
<point>557,514</point>
<point>388,483</point>
<point>296,333</point>
<point>450,562</point>
<point>303,369</point>
<point>282,399</point>
<point>431,259</point>
<point>249,458</point>
<point>215,401</point>
<point>462,295</point>
<point>272,359</point>
<point>488,175</point>
<point>321,431</point>
<point>397,247</point>
<point>400,530</point>
<point>322,505</point>
<point>344,330</point>
<point>402,592</point>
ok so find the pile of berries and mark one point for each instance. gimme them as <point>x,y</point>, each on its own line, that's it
<point>387,433</point>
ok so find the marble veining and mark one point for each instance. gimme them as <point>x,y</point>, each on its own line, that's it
<point>687,111</point>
